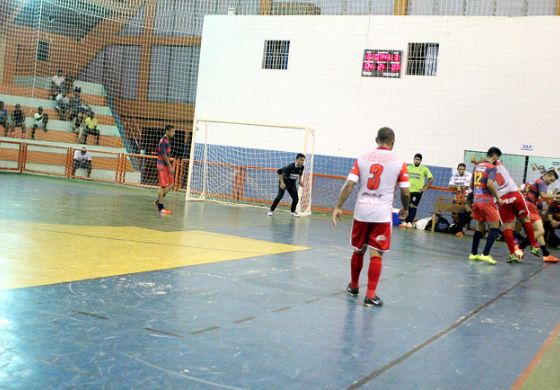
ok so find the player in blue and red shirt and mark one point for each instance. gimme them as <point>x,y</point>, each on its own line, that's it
<point>535,194</point>
<point>165,169</point>
<point>484,209</point>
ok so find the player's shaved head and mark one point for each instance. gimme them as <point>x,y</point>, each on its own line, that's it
<point>385,136</point>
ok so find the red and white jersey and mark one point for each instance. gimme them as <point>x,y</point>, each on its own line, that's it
<point>504,180</point>
<point>377,173</point>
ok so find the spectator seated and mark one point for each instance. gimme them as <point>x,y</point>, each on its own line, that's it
<point>82,160</point>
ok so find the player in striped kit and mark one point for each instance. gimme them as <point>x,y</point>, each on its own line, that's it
<point>377,173</point>
<point>484,210</point>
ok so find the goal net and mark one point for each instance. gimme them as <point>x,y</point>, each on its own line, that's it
<point>237,163</point>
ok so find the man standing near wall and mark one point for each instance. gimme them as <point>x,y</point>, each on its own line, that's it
<point>417,174</point>
<point>377,172</point>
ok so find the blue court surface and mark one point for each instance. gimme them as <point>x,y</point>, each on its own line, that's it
<point>100,291</point>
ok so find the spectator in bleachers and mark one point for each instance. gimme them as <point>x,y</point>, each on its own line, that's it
<point>75,103</point>
<point>4,118</point>
<point>78,125</point>
<point>68,84</point>
<point>62,105</point>
<point>57,84</point>
<point>82,160</point>
<point>18,118</point>
<point>91,127</point>
<point>40,120</point>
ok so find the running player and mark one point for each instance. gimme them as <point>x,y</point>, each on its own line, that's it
<point>377,173</point>
<point>535,194</point>
<point>484,210</point>
<point>165,168</point>
<point>513,206</point>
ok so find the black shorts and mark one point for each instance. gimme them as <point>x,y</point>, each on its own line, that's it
<point>415,198</point>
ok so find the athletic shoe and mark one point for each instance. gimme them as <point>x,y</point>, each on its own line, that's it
<point>403,225</point>
<point>550,259</point>
<point>352,291</point>
<point>409,225</point>
<point>460,234</point>
<point>487,259</point>
<point>535,251</point>
<point>513,258</point>
<point>294,214</point>
<point>165,211</point>
<point>270,213</point>
<point>376,301</point>
<point>474,257</point>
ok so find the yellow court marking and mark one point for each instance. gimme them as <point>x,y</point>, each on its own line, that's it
<point>35,254</point>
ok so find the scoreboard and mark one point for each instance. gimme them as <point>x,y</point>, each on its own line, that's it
<point>382,63</point>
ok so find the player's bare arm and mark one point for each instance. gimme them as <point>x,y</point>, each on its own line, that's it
<point>493,190</point>
<point>282,184</point>
<point>168,163</point>
<point>428,184</point>
<point>344,194</point>
<point>405,201</point>
<point>546,196</point>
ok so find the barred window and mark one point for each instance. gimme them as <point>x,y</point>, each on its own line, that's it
<point>422,59</point>
<point>275,54</point>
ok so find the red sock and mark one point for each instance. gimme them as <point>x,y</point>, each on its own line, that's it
<point>374,272</point>
<point>528,227</point>
<point>355,268</point>
<point>510,241</point>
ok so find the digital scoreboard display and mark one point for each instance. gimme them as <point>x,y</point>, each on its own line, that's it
<point>382,63</point>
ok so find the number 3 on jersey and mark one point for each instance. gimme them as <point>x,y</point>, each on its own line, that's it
<point>373,182</point>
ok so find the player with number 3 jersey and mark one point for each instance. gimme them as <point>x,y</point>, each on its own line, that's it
<point>376,174</point>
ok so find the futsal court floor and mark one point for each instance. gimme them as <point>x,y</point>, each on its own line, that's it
<point>99,291</point>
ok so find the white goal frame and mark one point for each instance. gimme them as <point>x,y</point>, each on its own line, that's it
<point>201,128</point>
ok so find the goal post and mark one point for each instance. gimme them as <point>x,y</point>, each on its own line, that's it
<point>237,162</point>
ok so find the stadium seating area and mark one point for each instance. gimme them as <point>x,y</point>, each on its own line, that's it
<point>50,151</point>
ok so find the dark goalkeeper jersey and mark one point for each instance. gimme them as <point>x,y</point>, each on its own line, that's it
<point>291,173</point>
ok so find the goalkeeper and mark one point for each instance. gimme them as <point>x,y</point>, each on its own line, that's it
<point>288,177</point>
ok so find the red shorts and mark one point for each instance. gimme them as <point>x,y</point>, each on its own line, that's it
<point>534,213</point>
<point>165,177</point>
<point>485,212</point>
<point>514,206</point>
<point>374,234</point>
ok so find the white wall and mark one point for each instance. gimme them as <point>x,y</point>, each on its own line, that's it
<point>498,82</point>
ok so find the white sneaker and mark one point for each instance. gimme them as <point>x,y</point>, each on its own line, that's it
<point>409,225</point>
<point>270,213</point>
<point>294,214</point>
